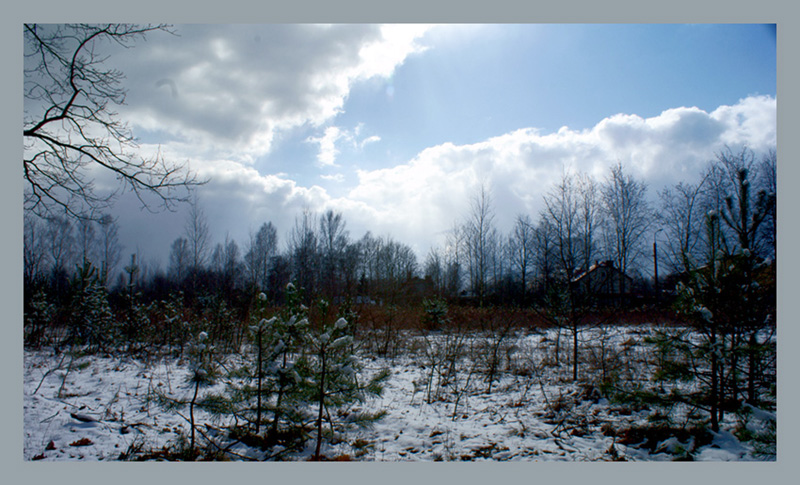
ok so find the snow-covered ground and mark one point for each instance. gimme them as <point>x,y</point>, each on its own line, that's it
<point>95,408</point>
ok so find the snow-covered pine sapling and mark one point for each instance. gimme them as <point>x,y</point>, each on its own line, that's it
<point>202,373</point>
<point>251,387</point>
<point>720,303</point>
<point>288,335</point>
<point>257,332</point>
<point>38,318</point>
<point>136,325</point>
<point>91,319</point>
<point>333,375</point>
<point>267,384</point>
<point>275,341</point>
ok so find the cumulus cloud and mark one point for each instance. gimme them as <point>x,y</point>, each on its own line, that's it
<point>416,200</point>
<point>429,192</point>
<point>328,151</point>
<point>327,146</point>
<point>230,91</point>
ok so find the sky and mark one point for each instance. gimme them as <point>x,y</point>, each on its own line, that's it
<point>397,126</point>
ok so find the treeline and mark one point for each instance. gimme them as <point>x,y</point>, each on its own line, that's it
<point>584,221</point>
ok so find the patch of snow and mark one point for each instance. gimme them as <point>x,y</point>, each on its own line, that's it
<point>97,408</point>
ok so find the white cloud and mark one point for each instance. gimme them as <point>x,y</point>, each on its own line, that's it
<point>327,146</point>
<point>368,140</point>
<point>228,90</point>
<point>338,178</point>
<point>428,193</point>
<point>397,42</point>
<point>328,152</point>
<point>749,122</point>
<point>416,200</point>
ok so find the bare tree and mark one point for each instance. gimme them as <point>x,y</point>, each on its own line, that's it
<point>197,235</point>
<point>565,242</point>
<point>262,248</point>
<point>34,249</point>
<point>69,127</point>
<point>562,213</point>
<point>333,239</point>
<point>217,257</point>
<point>434,270</point>
<point>545,257</point>
<point>396,265</point>
<point>110,250</point>
<point>682,218</point>
<point>589,217</point>
<point>60,241</point>
<point>521,245</point>
<point>498,261</point>
<point>454,260</point>
<point>628,218</point>
<point>562,306</point>
<point>304,251</point>
<point>60,245</point>
<point>225,262</point>
<point>231,258</point>
<point>350,263</point>
<point>368,249</point>
<point>478,231</point>
<point>86,241</point>
<point>441,266</point>
<point>179,260</point>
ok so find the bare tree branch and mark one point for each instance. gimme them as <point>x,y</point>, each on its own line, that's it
<point>69,129</point>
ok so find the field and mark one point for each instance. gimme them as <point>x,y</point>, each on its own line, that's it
<point>451,396</point>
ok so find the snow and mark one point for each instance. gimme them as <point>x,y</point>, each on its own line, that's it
<point>760,414</point>
<point>725,447</point>
<point>96,408</point>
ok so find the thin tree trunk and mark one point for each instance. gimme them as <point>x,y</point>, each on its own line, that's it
<point>258,386</point>
<point>752,371</point>
<point>734,374</point>
<point>558,345</point>
<point>191,413</point>
<point>714,384</point>
<point>574,350</point>
<point>281,389</point>
<point>321,405</point>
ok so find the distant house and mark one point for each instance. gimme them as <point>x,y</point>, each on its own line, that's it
<point>603,280</point>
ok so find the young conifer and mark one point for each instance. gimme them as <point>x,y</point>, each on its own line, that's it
<point>332,377</point>
<point>203,373</point>
<point>91,320</point>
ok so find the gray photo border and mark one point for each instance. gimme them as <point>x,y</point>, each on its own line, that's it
<point>780,12</point>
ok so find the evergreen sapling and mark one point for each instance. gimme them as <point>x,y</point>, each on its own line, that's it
<point>332,380</point>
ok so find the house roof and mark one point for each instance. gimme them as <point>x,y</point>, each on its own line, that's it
<point>597,265</point>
